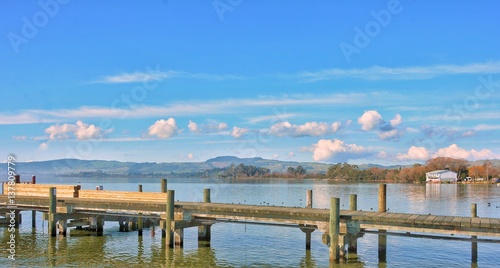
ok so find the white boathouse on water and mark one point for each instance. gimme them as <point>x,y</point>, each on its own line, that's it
<point>441,176</point>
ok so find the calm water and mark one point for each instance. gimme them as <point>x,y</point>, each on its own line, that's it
<point>240,245</point>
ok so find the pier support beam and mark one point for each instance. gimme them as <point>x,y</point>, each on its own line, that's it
<point>179,237</point>
<point>63,225</point>
<point>139,219</point>
<point>52,211</point>
<point>334,229</point>
<point>205,231</point>
<point>169,219</point>
<point>99,225</point>
<point>33,219</point>
<point>309,204</point>
<point>473,214</point>
<point>163,186</point>
<point>382,238</point>
<point>353,206</point>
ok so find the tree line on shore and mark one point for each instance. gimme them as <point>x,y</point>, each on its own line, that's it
<point>351,172</point>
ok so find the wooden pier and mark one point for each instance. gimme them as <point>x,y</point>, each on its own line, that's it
<point>66,206</point>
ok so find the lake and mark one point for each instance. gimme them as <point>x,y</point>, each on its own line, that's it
<point>246,245</point>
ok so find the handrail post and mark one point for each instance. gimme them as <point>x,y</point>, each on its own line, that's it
<point>334,229</point>
<point>205,231</point>
<point>382,237</point>
<point>169,218</point>
<point>52,211</point>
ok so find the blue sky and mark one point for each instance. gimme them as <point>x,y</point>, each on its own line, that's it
<point>388,82</point>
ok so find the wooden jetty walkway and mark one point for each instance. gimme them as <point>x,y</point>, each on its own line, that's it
<point>69,206</point>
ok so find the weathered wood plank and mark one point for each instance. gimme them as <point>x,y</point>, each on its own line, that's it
<point>412,218</point>
<point>475,222</point>
<point>457,221</point>
<point>495,223</point>
<point>430,220</point>
<point>465,222</point>
<point>438,219</point>
<point>420,219</point>
<point>119,195</point>
<point>485,223</point>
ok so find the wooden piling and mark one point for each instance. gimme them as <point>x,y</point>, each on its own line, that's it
<point>33,219</point>
<point>169,219</point>
<point>353,202</point>
<point>33,179</point>
<point>353,206</point>
<point>309,199</point>
<point>473,214</point>
<point>204,231</point>
<point>382,201</point>
<point>17,178</point>
<point>163,186</point>
<point>62,224</point>
<point>179,237</point>
<point>309,204</point>
<point>334,229</point>
<point>473,210</point>
<point>382,238</point>
<point>99,225</point>
<point>139,219</point>
<point>52,211</point>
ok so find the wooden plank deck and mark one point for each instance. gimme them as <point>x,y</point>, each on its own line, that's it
<point>155,207</point>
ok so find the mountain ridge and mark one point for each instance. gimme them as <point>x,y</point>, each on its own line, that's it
<point>71,166</point>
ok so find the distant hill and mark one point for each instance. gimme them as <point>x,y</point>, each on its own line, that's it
<point>78,167</point>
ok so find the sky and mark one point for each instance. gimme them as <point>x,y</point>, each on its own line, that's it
<point>384,82</point>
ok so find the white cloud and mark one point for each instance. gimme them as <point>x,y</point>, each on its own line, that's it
<point>275,156</point>
<point>213,127</point>
<point>19,138</point>
<point>238,132</point>
<point>453,151</point>
<point>415,153</point>
<point>163,129</point>
<point>79,130</point>
<point>273,118</point>
<point>397,120</point>
<point>193,127</point>
<point>370,120</point>
<point>382,154</point>
<point>483,127</point>
<point>158,75</point>
<point>390,135</point>
<point>457,152</point>
<point>291,154</point>
<point>43,146</point>
<point>336,126</point>
<point>283,129</point>
<point>469,133</point>
<point>337,151</point>
<point>190,156</point>
<point>404,73</point>
<point>193,107</point>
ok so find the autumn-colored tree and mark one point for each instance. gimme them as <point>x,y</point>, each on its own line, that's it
<point>453,164</point>
<point>376,173</point>
<point>488,169</point>
<point>477,172</point>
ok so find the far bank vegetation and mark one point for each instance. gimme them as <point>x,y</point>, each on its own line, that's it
<point>350,172</point>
